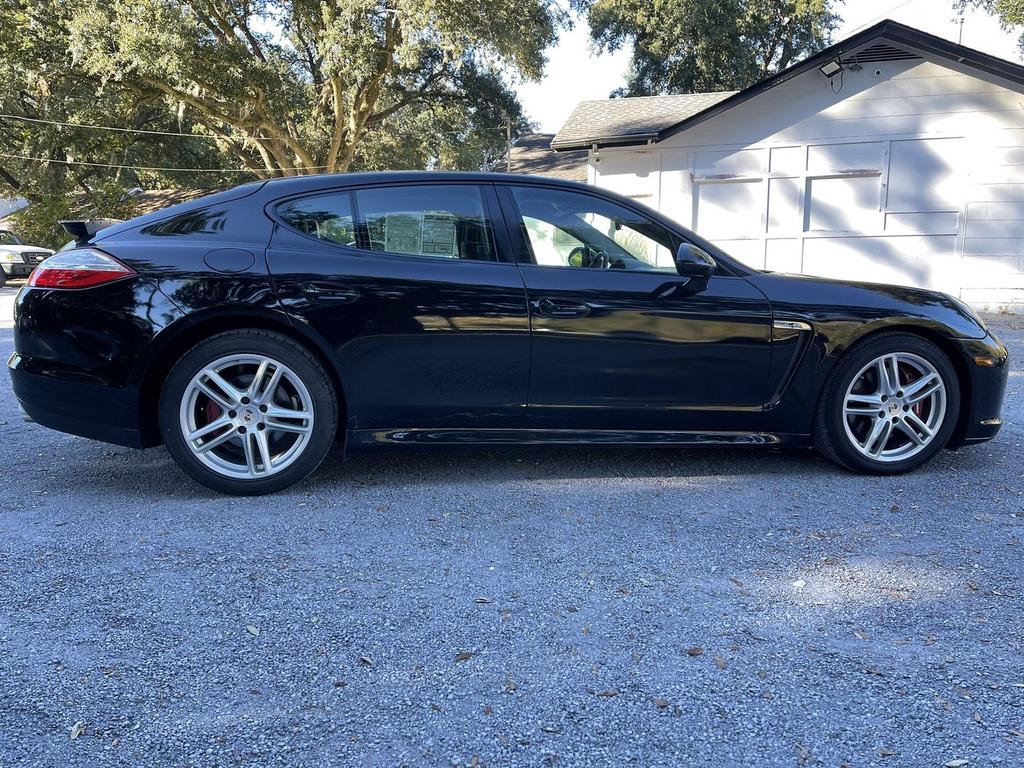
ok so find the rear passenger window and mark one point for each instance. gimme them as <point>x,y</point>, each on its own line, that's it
<point>445,221</point>
<point>327,217</point>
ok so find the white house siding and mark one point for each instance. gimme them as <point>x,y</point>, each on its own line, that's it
<point>913,175</point>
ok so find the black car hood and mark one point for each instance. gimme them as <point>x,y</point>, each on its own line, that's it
<point>826,299</point>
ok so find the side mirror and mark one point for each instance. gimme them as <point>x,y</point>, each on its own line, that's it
<point>692,261</point>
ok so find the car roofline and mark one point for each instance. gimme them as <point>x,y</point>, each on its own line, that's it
<point>300,185</point>
<point>296,185</point>
<point>316,181</point>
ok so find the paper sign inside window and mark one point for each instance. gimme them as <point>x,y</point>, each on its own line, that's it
<point>430,234</point>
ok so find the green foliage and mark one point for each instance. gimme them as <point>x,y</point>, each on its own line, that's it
<point>296,87</point>
<point>689,46</point>
<point>41,80</point>
<point>267,87</point>
<point>451,134</point>
<point>1010,13</point>
<point>37,223</point>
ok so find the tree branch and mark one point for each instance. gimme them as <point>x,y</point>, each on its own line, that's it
<point>410,98</point>
<point>12,182</point>
<point>367,93</point>
<point>273,152</point>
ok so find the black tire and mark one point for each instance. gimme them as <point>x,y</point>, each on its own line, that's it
<point>830,434</point>
<point>3,278</point>
<point>260,342</point>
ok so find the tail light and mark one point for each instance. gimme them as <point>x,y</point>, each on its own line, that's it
<point>78,268</point>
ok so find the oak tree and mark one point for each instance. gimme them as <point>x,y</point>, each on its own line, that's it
<point>687,46</point>
<point>303,86</point>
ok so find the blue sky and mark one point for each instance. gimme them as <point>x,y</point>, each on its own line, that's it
<point>575,74</point>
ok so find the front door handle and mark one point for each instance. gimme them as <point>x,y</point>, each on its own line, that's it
<point>556,308</point>
<point>666,290</point>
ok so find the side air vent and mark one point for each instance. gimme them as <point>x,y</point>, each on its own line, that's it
<point>882,52</point>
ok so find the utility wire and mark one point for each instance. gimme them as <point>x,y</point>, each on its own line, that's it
<point>146,167</point>
<point>140,167</point>
<point>26,119</point>
<point>882,15</point>
<point>148,132</point>
<point>144,131</point>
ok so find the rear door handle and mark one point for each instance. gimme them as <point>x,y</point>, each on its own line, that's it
<point>341,294</point>
<point>556,308</point>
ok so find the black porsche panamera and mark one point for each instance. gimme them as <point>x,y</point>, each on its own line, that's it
<point>250,330</point>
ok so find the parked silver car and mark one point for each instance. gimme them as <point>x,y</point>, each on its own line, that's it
<point>16,258</point>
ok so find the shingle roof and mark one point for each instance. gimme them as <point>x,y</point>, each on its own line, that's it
<point>149,200</point>
<point>532,154</point>
<point>630,119</point>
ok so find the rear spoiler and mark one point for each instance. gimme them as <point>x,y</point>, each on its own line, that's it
<point>83,229</point>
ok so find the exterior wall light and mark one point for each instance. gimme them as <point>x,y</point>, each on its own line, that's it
<point>831,68</point>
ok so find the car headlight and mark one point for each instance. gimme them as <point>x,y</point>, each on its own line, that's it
<point>10,258</point>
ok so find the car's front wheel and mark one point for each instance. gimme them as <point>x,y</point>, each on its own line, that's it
<point>248,412</point>
<point>889,406</point>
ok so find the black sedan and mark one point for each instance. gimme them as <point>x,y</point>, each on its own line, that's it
<point>250,330</point>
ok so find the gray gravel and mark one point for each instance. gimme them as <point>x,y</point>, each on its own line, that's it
<point>842,619</point>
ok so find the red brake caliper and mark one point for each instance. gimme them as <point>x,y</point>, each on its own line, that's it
<point>212,411</point>
<point>917,407</point>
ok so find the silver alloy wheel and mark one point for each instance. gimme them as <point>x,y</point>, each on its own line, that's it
<point>246,416</point>
<point>894,407</point>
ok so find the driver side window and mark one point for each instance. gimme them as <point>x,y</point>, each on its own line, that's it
<point>568,229</point>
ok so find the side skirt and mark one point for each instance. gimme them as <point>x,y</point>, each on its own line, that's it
<point>374,437</point>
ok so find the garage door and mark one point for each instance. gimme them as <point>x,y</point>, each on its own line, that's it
<point>880,211</point>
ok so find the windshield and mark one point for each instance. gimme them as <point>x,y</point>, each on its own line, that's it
<point>9,238</point>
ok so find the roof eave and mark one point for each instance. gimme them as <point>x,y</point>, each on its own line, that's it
<point>893,31</point>
<point>632,139</point>
<point>922,42</point>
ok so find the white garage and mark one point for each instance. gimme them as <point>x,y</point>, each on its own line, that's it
<point>894,156</point>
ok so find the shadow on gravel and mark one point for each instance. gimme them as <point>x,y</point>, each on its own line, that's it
<point>488,465</point>
<point>152,474</point>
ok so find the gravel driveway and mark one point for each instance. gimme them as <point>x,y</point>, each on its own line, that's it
<point>535,607</point>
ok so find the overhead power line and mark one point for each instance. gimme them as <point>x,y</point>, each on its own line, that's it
<point>147,132</point>
<point>880,16</point>
<point>208,137</point>
<point>139,167</point>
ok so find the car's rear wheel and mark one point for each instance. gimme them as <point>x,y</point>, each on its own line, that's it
<point>248,412</point>
<point>889,406</point>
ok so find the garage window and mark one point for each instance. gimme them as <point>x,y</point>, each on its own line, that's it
<point>842,204</point>
<point>844,187</point>
<point>725,182</point>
